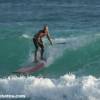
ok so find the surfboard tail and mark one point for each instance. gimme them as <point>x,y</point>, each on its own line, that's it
<point>32,69</point>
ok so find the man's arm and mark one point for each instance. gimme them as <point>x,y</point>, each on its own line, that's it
<point>48,36</point>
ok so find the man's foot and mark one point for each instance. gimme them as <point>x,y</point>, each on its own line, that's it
<point>35,61</point>
<point>43,59</point>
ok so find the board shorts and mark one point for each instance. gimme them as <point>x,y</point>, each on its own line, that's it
<point>37,44</point>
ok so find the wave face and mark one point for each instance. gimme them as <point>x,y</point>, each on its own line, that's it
<point>74,26</point>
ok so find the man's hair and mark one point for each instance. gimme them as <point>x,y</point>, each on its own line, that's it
<point>45,26</point>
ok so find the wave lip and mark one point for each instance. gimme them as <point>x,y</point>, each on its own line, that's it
<point>67,87</point>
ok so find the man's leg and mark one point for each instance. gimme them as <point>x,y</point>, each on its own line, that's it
<point>36,50</point>
<point>35,56</point>
<point>42,51</point>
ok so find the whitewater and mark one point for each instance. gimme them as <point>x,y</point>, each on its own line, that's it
<point>66,87</point>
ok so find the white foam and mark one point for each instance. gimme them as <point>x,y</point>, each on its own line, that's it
<point>26,36</point>
<point>67,87</point>
<point>59,40</point>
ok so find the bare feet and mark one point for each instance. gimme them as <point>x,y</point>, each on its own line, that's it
<point>43,59</point>
<point>35,61</point>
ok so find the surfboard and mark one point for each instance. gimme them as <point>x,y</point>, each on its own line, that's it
<point>31,69</point>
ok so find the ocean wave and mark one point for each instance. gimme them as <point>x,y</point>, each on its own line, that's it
<point>67,87</point>
<point>62,44</point>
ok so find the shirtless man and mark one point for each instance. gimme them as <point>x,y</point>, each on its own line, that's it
<point>37,40</point>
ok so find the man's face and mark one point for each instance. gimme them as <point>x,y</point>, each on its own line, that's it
<point>46,29</point>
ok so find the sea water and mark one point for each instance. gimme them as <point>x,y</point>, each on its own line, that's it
<point>72,71</point>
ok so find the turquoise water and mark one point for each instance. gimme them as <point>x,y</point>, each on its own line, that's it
<point>77,23</point>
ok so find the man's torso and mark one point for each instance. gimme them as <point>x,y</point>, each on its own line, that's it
<point>40,34</point>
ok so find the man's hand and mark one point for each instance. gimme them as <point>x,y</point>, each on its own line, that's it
<point>48,36</point>
<point>51,42</point>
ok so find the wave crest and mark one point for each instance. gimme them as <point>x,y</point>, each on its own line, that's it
<point>67,87</point>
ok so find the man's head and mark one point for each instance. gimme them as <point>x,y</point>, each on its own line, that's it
<point>45,28</point>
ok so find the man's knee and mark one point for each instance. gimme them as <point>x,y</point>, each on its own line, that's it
<point>36,49</point>
<point>42,49</point>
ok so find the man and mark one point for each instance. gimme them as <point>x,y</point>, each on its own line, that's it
<point>37,40</point>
